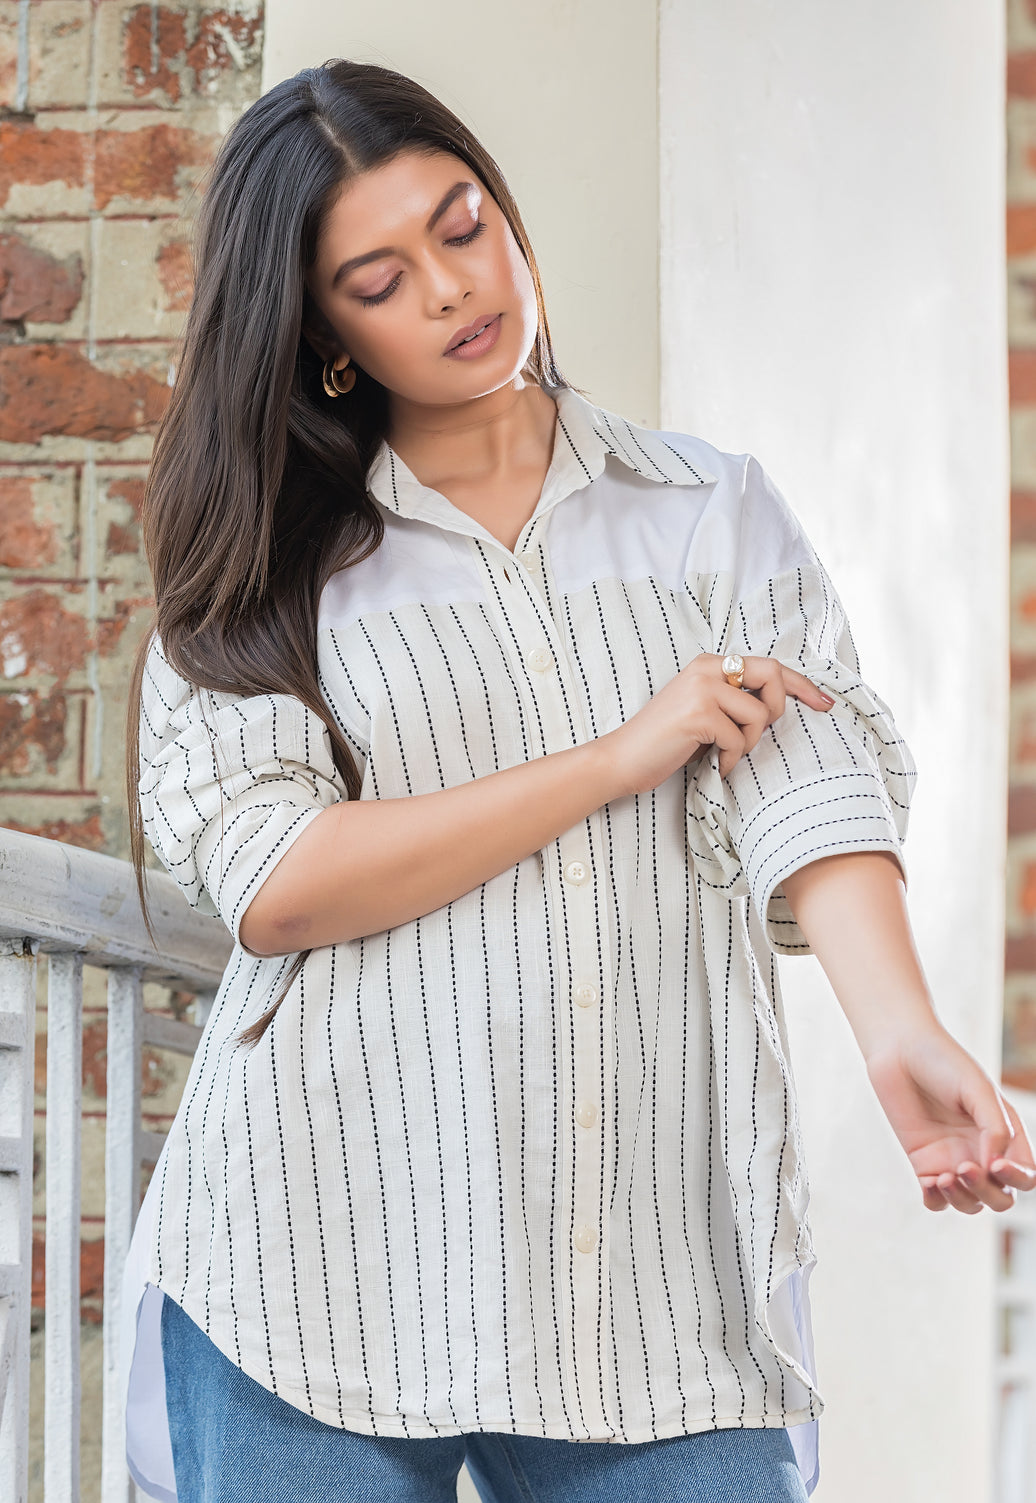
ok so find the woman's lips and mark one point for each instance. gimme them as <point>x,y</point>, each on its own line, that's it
<point>485,341</point>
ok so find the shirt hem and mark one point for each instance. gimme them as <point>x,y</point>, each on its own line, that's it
<point>394,1426</point>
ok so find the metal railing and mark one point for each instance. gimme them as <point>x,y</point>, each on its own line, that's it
<point>79,908</point>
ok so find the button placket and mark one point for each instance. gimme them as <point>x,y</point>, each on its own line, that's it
<point>572,886</point>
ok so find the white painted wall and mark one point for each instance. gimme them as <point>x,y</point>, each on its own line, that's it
<point>779,226</point>
<point>832,293</point>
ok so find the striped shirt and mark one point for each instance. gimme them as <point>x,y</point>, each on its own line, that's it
<point>531,1163</point>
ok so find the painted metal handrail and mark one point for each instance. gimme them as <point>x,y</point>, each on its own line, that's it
<point>79,908</point>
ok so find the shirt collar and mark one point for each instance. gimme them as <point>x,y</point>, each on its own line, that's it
<point>585,437</point>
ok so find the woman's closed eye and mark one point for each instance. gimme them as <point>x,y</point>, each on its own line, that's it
<point>373,298</point>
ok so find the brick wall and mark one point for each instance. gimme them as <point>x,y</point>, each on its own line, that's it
<point>109,113</point>
<point>1020,957</point>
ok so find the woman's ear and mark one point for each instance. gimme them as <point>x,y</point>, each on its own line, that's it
<point>318,333</point>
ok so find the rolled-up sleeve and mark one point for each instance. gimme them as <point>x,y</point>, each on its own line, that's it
<point>819,782</point>
<point>227,784</point>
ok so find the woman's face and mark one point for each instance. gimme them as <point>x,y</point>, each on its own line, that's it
<point>412,255</point>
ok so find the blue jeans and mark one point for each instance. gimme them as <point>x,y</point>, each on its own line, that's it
<point>234,1441</point>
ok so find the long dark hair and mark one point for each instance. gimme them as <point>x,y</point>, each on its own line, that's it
<point>257,489</point>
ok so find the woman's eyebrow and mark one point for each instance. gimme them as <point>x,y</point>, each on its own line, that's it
<point>386,250</point>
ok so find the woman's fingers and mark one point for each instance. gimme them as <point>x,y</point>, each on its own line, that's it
<point>745,711</point>
<point>957,1195</point>
<point>985,1187</point>
<point>740,718</point>
<point>1013,1175</point>
<point>804,688</point>
<point>773,680</point>
<point>933,1198</point>
<point>769,685</point>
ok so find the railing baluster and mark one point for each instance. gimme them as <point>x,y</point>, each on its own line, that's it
<point>79,906</point>
<point>61,1340</point>
<point>122,1154</point>
<point>17,1043</point>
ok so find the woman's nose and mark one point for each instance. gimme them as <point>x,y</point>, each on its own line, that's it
<point>448,285</point>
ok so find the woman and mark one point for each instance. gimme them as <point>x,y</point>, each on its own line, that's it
<point>511,741</point>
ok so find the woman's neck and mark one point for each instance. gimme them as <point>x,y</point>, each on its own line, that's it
<point>488,458</point>
<point>487,442</point>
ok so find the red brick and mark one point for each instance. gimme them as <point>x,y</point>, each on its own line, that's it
<point>1023,516</point>
<point>1021,811</point>
<point>91,1276</point>
<point>1027,895</point>
<point>111,628</point>
<point>121,540</point>
<point>1025,738</point>
<point>124,538</point>
<point>1021,229</point>
<point>153,39</point>
<point>155,1074</point>
<point>130,489</point>
<point>37,627</point>
<point>86,833</point>
<point>95,1057</point>
<point>1021,75</point>
<point>1022,377</point>
<point>24,544</point>
<point>1023,671</point>
<point>35,287</point>
<point>31,155</point>
<point>147,163</point>
<point>91,1270</point>
<point>39,1271</point>
<point>49,388</point>
<point>1020,953</point>
<point>39,724</point>
<point>175,272</point>
<point>211,56</point>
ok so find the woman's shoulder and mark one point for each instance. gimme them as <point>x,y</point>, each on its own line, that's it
<point>746,520</point>
<point>670,453</point>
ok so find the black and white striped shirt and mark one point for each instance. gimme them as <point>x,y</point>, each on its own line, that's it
<point>531,1163</point>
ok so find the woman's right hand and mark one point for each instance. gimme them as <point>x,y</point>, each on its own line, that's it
<point>698,708</point>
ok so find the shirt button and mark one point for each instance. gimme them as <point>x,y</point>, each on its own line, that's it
<point>530,560</point>
<point>585,994</point>
<point>586,1114</point>
<point>539,660</point>
<point>577,872</point>
<point>586,1238</point>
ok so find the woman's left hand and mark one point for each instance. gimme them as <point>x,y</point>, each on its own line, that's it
<point>964,1139</point>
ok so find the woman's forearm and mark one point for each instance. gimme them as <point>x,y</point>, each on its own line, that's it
<point>852,910</point>
<point>366,865</point>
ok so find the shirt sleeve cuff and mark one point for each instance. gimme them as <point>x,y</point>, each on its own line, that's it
<point>262,835</point>
<point>826,815</point>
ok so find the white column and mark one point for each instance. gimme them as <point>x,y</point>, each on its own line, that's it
<point>833,301</point>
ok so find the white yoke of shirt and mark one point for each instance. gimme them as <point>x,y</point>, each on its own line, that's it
<point>530,1163</point>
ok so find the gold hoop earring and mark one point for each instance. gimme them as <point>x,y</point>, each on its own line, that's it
<point>332,385</point>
